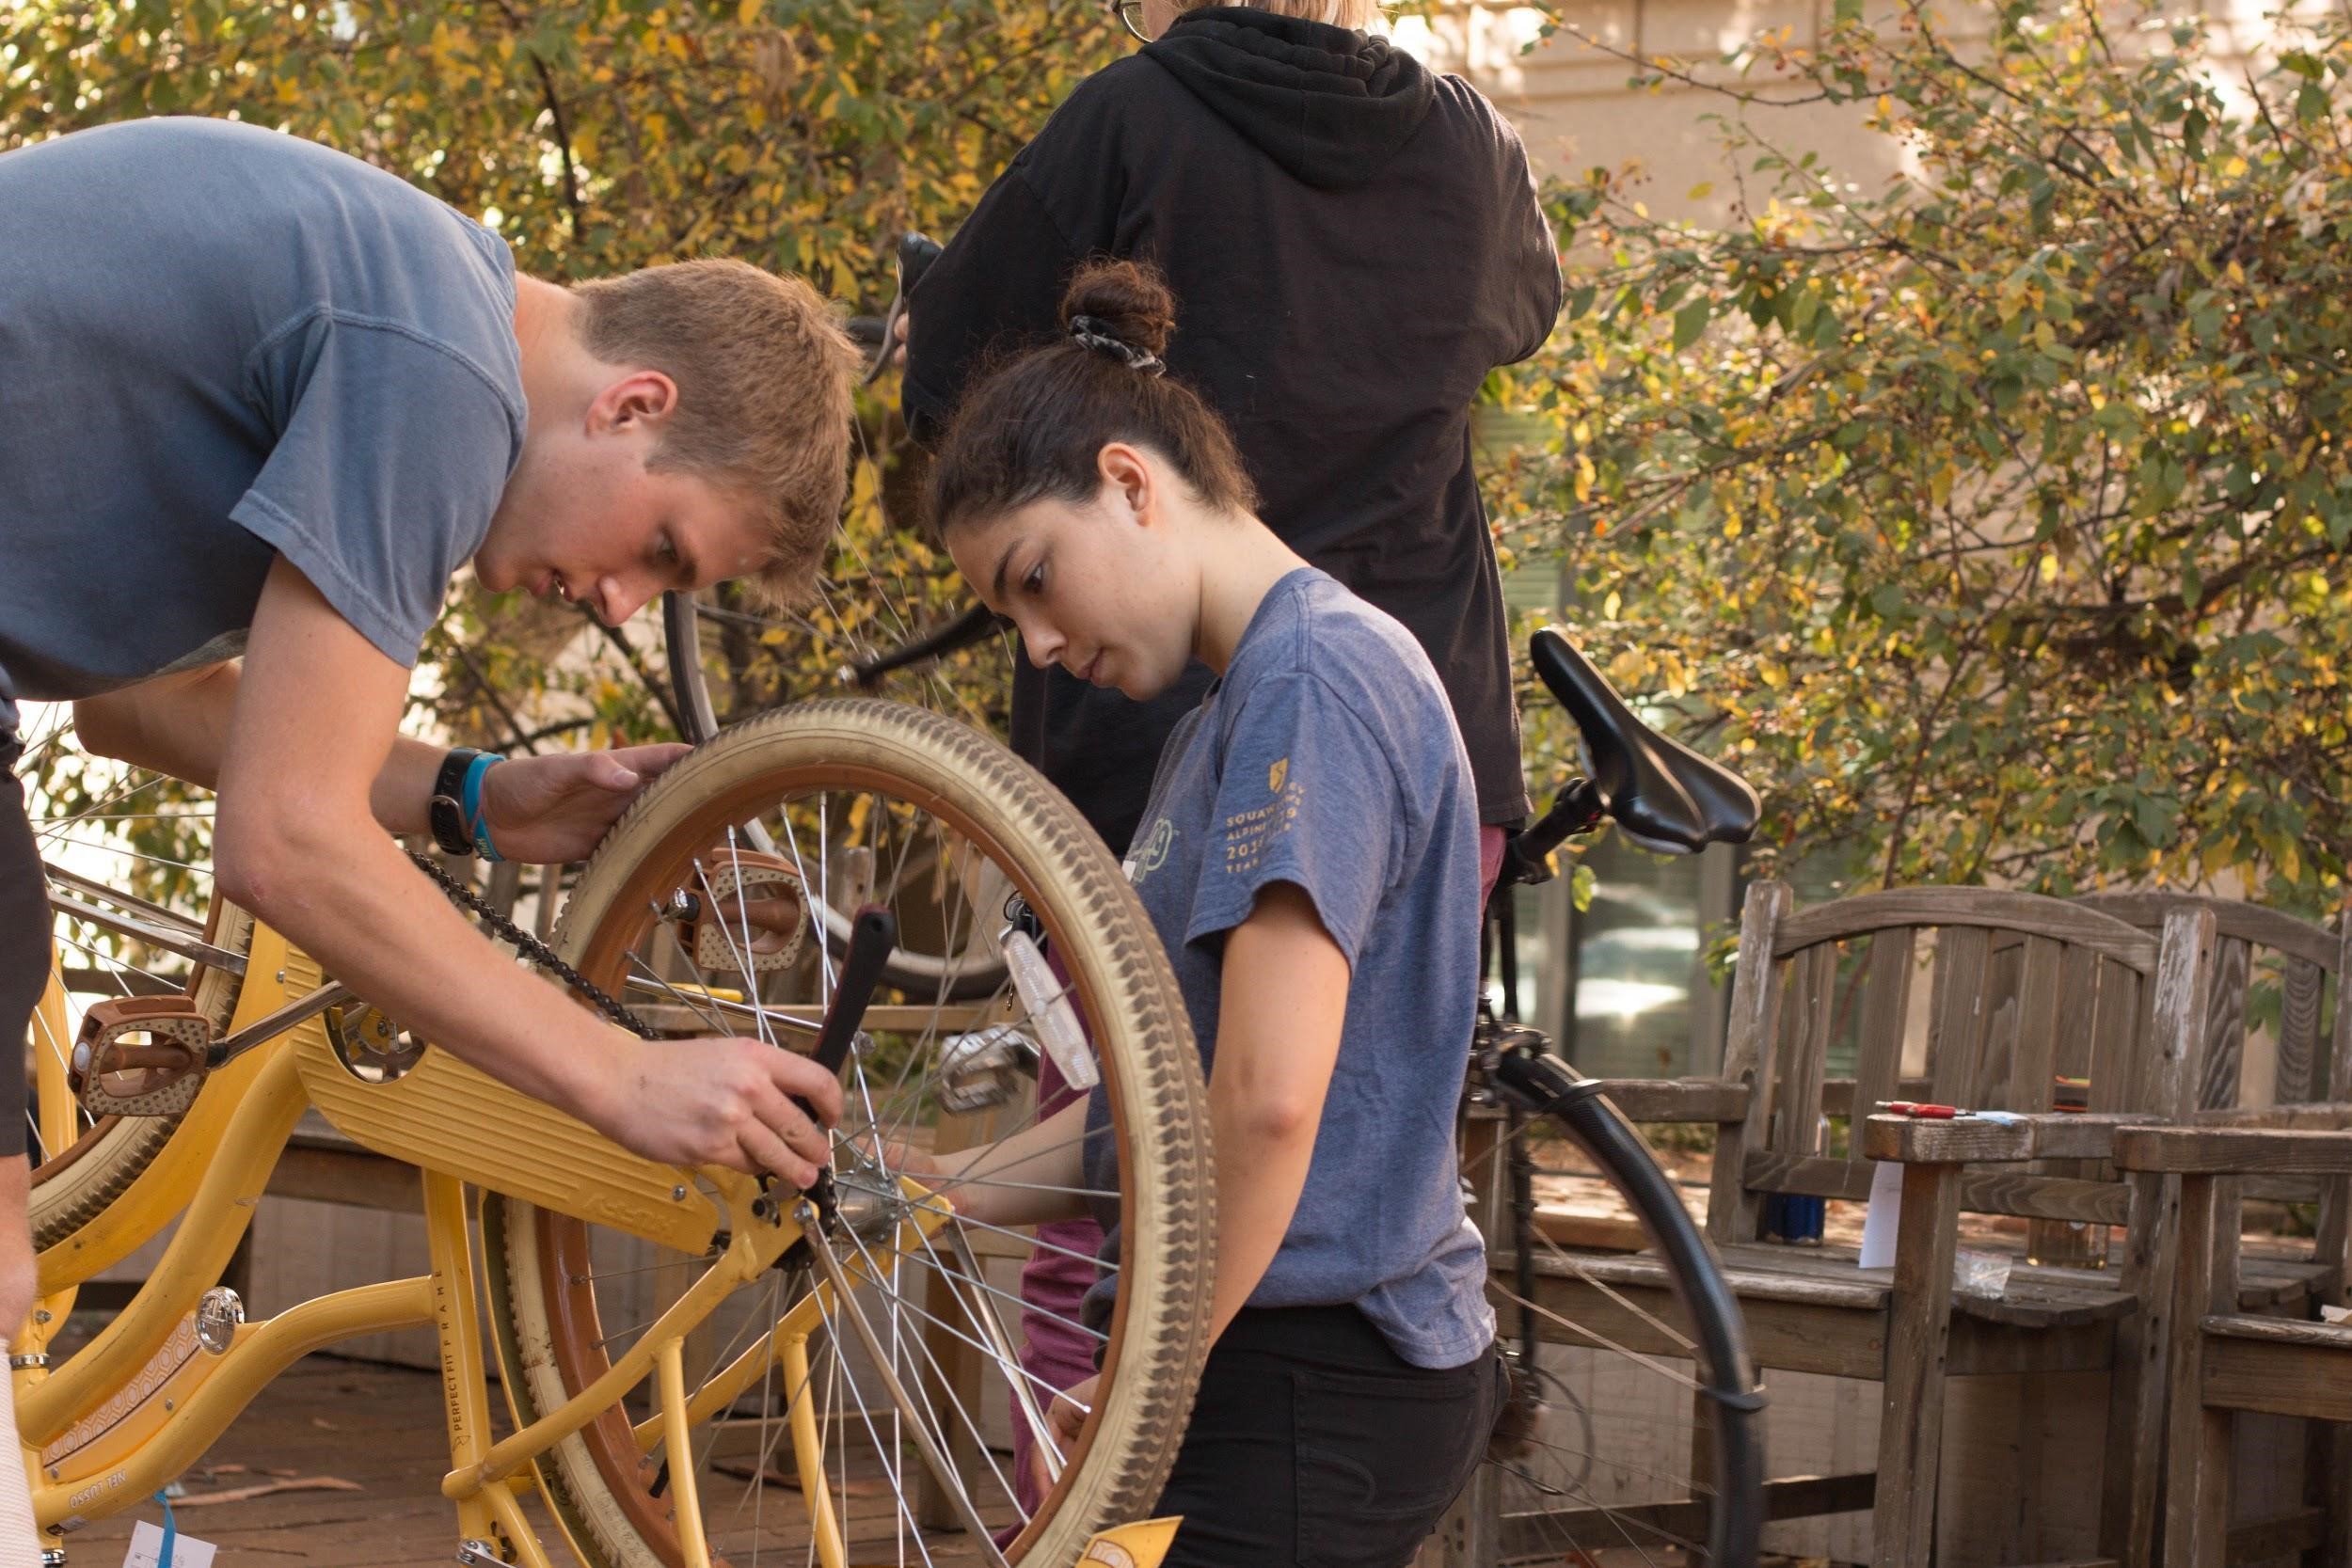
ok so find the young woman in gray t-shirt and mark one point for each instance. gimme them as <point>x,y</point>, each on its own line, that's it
<point>1309,857</point>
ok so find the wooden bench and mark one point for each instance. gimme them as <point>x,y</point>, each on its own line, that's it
<point>2224,1359</point>
<point>2313,1040</point>
<point>2093,993</point>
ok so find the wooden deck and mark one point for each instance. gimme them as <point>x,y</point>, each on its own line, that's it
<point>379,1429</point>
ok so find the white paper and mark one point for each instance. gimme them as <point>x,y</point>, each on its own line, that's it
<point>146,1548</point>
<point>1883,1217</point>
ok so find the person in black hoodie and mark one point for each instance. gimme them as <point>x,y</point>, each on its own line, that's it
<point>1354,243</point>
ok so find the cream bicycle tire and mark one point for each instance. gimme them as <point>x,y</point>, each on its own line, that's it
<point>1116,963</point>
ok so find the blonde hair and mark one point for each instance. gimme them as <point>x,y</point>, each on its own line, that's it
<point>1358,14</point>
<point>765,378</point>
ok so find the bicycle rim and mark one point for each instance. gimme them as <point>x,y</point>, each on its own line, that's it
<point>133,914</point>
<point>568,1297</point>
<point>1650,1450</point>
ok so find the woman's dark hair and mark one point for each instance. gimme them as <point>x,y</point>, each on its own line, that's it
<point>1033,425</point>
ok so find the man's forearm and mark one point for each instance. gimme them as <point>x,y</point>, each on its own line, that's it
<point>355,903</point>
<point>180,725</point>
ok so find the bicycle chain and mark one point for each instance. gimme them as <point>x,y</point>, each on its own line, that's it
<point>537,952</point>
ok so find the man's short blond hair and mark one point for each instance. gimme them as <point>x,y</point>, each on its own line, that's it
<point>765,380</point>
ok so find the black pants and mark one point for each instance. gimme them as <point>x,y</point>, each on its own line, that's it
<point>1313,1443</point>
<point>24,942</point>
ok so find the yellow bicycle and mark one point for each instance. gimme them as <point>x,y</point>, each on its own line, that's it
<point>661,1333</point>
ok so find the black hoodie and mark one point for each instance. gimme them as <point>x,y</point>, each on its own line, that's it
<point>1353,243</point>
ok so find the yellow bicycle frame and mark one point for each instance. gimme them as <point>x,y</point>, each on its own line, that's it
<point>144,1399</point>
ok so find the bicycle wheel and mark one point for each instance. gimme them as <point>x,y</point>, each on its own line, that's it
<point>1644,1442</point>
<point>132,912</point>
<point>863,792</point>
<point>728,660</point>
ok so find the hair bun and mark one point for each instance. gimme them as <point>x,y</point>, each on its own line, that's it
<point>1126,298</point>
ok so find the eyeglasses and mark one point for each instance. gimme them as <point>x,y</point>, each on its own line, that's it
<point>1130,15</point>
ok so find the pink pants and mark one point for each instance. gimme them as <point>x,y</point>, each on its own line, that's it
<point>1059,1275</point>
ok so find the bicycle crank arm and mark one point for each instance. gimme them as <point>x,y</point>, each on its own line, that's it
<point>873,937</point>
<point>300,1010</point>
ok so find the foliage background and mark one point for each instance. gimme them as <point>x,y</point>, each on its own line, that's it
<point>1994,521</point>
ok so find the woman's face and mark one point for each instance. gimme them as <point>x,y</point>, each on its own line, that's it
<point>1158,15</point>
<point>1103,589</point>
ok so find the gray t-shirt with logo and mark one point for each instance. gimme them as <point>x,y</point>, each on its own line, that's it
<point>1327,757</point>
<point>219,345</point>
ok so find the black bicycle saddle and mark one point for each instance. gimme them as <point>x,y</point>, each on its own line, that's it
<point>1665,796</point>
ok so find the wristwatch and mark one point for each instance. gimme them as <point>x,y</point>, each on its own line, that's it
<point>446,810</point>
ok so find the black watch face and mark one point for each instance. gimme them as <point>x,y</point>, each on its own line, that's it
<point>448,821</point>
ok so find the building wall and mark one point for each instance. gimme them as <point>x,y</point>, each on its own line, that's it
<point>1570,97</point>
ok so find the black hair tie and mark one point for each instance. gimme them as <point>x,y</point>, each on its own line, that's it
<point>1095,333</point>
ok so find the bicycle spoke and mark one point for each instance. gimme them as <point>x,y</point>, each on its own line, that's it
<point>979,1438</point>
<point>1619,1298</point>
<point>817,920</point>
<point>743,963</point>
<point>700,1008</point>
<point>898,1483</point>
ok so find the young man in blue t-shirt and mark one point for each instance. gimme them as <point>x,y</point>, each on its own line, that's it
<point>257,398</point>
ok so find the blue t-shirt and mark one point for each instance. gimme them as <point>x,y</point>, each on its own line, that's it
<point>219,345</point>
<point>1327,757</point>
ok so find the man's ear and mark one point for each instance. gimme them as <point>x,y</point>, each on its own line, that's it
<point>640,397</point>
<point>1127,477</point>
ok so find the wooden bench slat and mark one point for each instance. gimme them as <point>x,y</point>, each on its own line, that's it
<point>1857,1292</point>
<point>1957,908</point>
<point>2298,1030</point>
<point>2052,1197</point>
<point>1678,1100</point>
<point>2047,1135</point>
<point>2224,1032</point>
<point>2221,1150</point>
<point>2250,923</point>
<point>2281,1331</point>
<point>2278,1376</point>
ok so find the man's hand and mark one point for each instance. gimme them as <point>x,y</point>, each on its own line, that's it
<point>721,1102</point>
<point>550,809</point>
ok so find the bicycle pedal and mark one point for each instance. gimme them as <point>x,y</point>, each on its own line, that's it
<point>140,1056</point>
<point>979,1072</point>
<point>720,941</point>
<point>477,1554</point>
